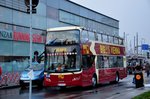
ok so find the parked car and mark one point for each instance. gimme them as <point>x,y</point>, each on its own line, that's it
<point>38,75</point>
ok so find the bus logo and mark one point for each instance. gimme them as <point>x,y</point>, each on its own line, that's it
<point>86,49</point>
<point>60,76</point>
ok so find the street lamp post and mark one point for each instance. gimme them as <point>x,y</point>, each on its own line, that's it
<point>31,8</point>
<point>142,42</point>
<point>126,42</point>
<point>30,88</point>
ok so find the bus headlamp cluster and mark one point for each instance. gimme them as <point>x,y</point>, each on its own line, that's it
<point>52,54</point>
<point>47,75</point>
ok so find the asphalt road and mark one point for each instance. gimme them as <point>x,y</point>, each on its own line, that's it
<point>122,90</point>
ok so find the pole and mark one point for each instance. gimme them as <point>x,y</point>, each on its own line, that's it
<point>141,47</point>
<point>137,42</point>
<point>134,45</point>
<point>30,88</point>
<point>126,42</point>
<point>131,50</point>
<point>142,42</point>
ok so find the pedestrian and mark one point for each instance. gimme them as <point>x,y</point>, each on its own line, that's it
<point>138,68</point>
<point>36,57</point>
<point>147,69</point>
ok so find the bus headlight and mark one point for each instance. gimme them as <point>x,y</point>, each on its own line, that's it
<point>47,75</point>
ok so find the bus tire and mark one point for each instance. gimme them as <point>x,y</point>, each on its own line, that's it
<point>62,87</point>
<point>94,81</point>
<point>40,84</point>
<point>117,78</point>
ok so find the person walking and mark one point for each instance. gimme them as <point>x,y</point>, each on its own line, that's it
<point>138,68</point>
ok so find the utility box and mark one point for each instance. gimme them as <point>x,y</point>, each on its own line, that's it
<point>139,80</point>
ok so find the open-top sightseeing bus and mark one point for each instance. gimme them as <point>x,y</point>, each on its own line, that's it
<point>77,57</point>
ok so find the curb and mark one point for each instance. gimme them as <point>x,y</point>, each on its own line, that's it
<point>9,87</point>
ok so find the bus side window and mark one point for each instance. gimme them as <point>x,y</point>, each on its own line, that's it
<point>111,61</point>
<point>87,61</point>
<point>100,61</point>
<point>90,60</point>
<point>106,62</point>
<point>84,62</point>
<point>115,62</point>
<point>120,61</point>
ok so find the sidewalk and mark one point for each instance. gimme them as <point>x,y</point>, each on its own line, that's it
<point>134,91</point>
<point>9,79</point>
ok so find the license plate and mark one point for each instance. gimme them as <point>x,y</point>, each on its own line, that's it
<point>61,84</point>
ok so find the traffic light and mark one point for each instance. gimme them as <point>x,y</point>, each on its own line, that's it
<point>34,4</point>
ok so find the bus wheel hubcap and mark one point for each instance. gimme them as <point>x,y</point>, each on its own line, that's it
<point>94,81</point>
<point>117,78</point>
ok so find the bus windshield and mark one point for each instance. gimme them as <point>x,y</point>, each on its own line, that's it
<point>67,37</point>
<point>62,62</point>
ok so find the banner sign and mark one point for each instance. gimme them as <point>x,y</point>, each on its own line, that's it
<point>19,36</point>
<point>109,49</point>
<point>5,34</point>
<point>36,38</point>
<point>104,49</point>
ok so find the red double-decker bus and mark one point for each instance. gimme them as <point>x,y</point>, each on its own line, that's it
<point>77,57</point>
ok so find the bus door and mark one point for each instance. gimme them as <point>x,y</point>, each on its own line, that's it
<point>122,69</point>
<point>88,69</point>
<point>104,71</point>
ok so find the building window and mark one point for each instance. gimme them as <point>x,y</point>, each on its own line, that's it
<point>5,26</point>
<point>52,12</point>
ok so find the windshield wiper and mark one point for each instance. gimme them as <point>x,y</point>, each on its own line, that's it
<point>64,42</point>
<point>52,42</point>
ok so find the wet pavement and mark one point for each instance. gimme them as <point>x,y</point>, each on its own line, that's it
<point>125,89</point>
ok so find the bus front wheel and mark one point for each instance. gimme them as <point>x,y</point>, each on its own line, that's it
<point>117,78</point>
<point>94,81</point>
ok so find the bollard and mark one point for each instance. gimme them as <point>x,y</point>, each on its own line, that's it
<point>139,81</point>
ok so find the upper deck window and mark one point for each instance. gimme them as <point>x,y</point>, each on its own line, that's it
<point>105,38</point>
<point>84,36</point>
<point>91,36</point>
<point>67,37</point>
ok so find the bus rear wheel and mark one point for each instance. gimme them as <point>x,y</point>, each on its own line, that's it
<point>94,81</point>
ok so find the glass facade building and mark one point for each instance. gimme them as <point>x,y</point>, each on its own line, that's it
<point>15,22</point>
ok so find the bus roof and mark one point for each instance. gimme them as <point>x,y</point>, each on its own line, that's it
<point>64,28</point>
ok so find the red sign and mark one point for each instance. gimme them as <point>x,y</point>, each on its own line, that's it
<point>19,36</point>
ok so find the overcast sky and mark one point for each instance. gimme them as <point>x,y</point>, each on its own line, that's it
<point>133,15</point>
